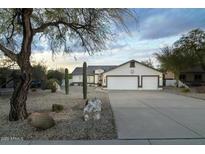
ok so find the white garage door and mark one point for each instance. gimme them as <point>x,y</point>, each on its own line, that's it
<point>150,83</point>
<point>122,83</point>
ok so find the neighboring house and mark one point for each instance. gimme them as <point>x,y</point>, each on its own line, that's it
<point>94,74</point>
<point>169,79</point>
<point>133,75</point>
<point>194,76</point>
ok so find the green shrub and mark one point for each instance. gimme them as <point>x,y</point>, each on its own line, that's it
<point>52,84</point>
<point>185,90</point>
<point>55,74</point>
<point>57,107</point>
<point>53,88</point>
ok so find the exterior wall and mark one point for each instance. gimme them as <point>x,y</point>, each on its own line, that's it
<point>90,79</point>
<point>96,78</point>
<point>169,75</point>
<point>138,70</point>
<point>189,77</point>
<point>79,79</point>
<point>169,83</point>
<point>172,83</point>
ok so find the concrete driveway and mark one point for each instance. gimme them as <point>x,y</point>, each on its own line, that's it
<point>156,115</point>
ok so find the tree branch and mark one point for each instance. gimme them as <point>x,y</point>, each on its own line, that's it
<point>8,53</point>
<point>56,24</point>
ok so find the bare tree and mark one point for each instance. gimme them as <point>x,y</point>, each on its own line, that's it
<point>63,29</point>
<point>148,62</point>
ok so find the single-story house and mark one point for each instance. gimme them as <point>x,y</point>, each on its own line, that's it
<point>194,76</point>
<point>94,74</point>
<point>131,75</point>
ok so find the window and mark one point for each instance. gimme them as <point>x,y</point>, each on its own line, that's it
<point>198,77</point>
<point>182,77</point>
<point>132,64</point>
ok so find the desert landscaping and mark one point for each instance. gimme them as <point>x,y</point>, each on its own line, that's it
<point>69,123</point>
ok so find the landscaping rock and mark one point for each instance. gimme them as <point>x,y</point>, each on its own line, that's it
<point>57,107</point>
<point>41,121</point>
<point>92,109</point>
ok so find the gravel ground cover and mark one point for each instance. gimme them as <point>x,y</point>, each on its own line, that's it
<point>69,122</point>
<point>178,91</point>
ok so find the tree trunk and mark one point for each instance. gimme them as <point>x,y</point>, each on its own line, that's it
<point>18,101</point>
<point>177,79</point>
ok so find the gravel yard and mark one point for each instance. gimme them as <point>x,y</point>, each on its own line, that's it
<point>69,122</point>
<point>178,91</point>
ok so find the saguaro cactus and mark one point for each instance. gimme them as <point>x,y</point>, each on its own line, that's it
<point>66,82</point>
<point>84,80</point>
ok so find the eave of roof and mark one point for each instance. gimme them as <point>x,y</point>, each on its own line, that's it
<point>136,62</point>
<point>92,68</point>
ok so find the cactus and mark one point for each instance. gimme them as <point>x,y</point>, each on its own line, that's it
<point>84,80</point>
<point>66,82</point>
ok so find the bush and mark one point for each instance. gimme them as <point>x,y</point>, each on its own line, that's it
<point>52,84</point>
<point>185,90</point>
<point>53,89</point>
<point>57,107</point>
<point>55,74</point>
<point>38,72</point>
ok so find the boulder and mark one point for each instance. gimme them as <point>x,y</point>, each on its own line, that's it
<point>92,109</point>
<point>57,107</point>
<point>41,121</point>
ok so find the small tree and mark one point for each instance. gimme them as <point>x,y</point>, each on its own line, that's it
<point>84,80</point>
<point>192,46</point>
<point>66,82</point>
<point>171,59</point>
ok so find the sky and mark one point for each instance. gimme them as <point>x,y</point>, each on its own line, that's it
<point>154,29</point>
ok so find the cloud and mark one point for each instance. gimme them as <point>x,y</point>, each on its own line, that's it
<point>156,28</point>
<point>160,23</point>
